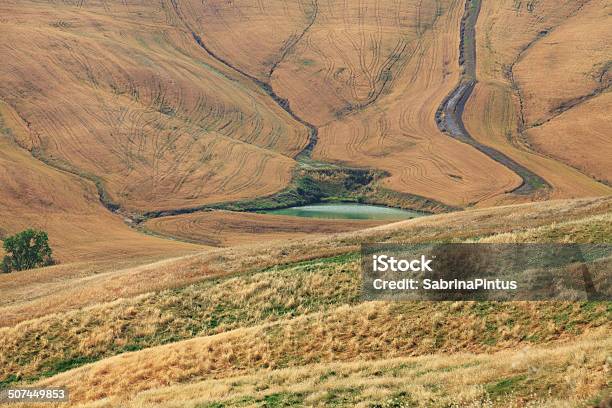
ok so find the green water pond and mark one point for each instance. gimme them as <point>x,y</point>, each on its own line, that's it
<point>347,211</point>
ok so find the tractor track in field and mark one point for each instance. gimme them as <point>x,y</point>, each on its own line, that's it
<point>305,155</point>
<point>38,153</point>
<point>449,116</point>
<point>313,131</point>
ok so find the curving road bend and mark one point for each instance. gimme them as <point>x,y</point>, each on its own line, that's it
<point>449,116</point>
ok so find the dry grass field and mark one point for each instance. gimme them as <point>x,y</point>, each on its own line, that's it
<point>72,290</point>
<point>287,318</point>
<point>368,332</point>
<point>142,136</point>
<point>459,381</point>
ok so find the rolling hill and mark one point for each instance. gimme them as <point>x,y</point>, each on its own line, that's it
<point>149,139</point>
<point>293,318</point>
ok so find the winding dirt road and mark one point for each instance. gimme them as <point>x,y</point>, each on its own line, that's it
<point>449,116</point>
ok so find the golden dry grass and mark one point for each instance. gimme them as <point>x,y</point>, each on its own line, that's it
<point>77,291</point>
<point>157,318</point>
<point>368,331</point>
<point>597,228</point>
<point>305,314</point>
<point>277,294</point>
<point>226,228</point>
<point>570,374</point>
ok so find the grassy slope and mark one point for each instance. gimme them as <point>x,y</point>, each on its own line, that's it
<point>508,378</point>
<point>76,291</point>
<point>310,313</point>
<point>261,299</point>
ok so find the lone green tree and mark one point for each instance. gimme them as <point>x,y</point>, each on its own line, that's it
<point>26,250</point>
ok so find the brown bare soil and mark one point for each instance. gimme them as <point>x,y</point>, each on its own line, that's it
<point>160,102</point>
<point>253,35</point>
<point>490,117</point>
<point>226,228</point>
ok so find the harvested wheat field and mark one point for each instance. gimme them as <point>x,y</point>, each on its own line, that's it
<point>68,207</point>
<point>396,76</point>
<point>226,228</point>
<point>135,103</point>
<point>539,98</point>
<point>158,103</point>
<point>370,77</point>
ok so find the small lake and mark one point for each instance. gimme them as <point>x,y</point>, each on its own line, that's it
<point>347,211</point>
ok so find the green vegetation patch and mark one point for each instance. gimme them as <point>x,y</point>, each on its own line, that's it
<point>285,399</point>
<point>312,184</point>
<point>507,386</point>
